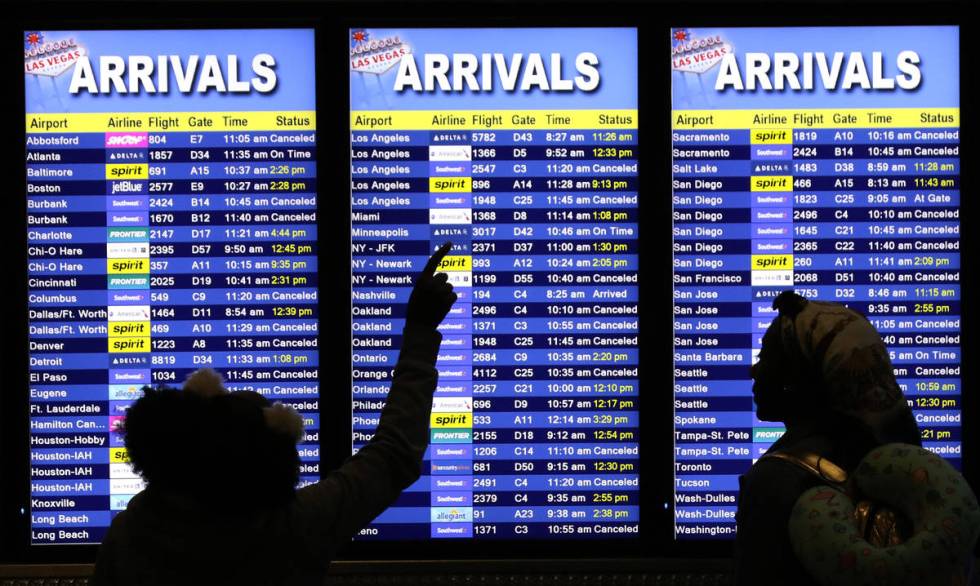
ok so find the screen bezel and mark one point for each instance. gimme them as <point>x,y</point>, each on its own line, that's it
<point>14,442</point>
<point>657,523</point>
<point>332,20</point>
<point>861,14</point>
<point>650,493</point>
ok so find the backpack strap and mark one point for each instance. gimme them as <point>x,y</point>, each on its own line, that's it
<point>877,523</point>
<point>813,463</point>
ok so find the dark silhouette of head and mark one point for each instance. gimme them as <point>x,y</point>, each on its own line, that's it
<point>776,388</point>
<point>217,449</point>
<point>825,365</point>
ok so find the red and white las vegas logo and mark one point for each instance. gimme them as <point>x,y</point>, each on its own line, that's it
<point>370,55</point>
<point>50,57</point>
<point>695,55</point>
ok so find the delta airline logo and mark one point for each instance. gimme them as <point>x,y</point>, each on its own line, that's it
<point>693,55</point>
<point>50,57</point>
<point>370,55</point>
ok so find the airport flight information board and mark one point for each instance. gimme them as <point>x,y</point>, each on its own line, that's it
<point>825,160</point>
<point>520,146</point>
<point>171,200</point>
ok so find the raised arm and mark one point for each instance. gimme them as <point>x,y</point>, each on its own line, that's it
<point>331,511</point>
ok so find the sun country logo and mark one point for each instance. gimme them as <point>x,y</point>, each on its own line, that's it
<point>370,55</point>
<point>126,140</point>
<point>49,57</point>
<point>694,55</point>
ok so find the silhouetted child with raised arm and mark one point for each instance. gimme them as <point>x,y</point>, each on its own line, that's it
<point>220,505</point>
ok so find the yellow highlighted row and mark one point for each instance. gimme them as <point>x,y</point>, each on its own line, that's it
<point>818,118</point>
<point>140,122</point>
<point>594,120</point>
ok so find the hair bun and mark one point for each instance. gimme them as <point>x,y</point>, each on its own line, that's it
<point>789,303</point>
<point>205,382</point>
<point>284,419</point>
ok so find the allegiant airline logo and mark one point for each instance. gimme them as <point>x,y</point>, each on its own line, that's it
<point>452,514</point>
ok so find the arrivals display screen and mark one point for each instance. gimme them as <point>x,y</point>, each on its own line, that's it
<point>172,201</point>
<point>521,147</point>
<point>824,160</point>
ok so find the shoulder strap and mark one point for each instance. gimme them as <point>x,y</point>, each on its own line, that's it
<point>877,523</point>
<point>813,463</point>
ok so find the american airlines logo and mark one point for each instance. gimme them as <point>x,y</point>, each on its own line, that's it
<point>450,216</point>
<point>129,312</point>
<point>452,405</point>
<point>451,153</point>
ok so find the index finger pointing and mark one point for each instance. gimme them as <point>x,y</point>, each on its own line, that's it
<point>430,267</point>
